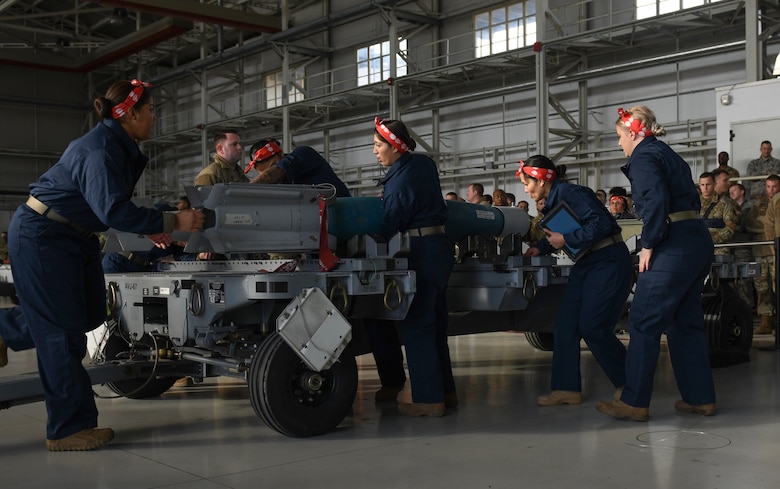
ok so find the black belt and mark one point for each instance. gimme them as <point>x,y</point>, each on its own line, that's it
<point>426,231</point>
<point>614,239</point>
<point>55,216</point>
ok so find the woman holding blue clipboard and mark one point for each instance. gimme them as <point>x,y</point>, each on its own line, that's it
<point>578,223</point>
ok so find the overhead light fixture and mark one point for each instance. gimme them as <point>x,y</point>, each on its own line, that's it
<point>60,44</point>
<point>118,17</point>
<point>776,70</point>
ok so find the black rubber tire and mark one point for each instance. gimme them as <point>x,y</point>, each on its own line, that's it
<point>118,348</point>
<point>278,396</point>
<point>540,341</point>
<point>729,324</point>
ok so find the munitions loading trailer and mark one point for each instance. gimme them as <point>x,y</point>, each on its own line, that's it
<point>292,330</point>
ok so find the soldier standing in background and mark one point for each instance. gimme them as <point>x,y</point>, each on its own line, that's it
<point>764,255</point>
<point>225,166</point>
<point>763,165</point>
<point>723,164</point>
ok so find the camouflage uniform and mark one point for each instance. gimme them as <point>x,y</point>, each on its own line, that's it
<point>535,232</point>
<point>721,219</point>
<point>733,172</point>
<point>220,171</point>
<point>763,254</point>
<point>744,286</point>
<point>771,231</point>
<point>758,167</point>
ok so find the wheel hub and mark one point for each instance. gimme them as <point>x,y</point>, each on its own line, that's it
<point>312,381</point>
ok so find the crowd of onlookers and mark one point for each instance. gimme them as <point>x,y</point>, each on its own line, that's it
<point>475,193</point>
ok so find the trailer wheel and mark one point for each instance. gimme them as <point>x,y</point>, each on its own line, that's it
<point>117,348</point>
<point>539,340</point>
<point>294,400</point>
<point>729,325</point>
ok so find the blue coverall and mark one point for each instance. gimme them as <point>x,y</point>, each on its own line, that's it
<point>56,269</point>
<point>412,199</point>
<point>595,293</point>
<point>668,294</point>
<point>304,166</point>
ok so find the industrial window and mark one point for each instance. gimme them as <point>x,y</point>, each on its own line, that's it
<point>274,86</point>
<point>505,28</point>
<point>651,8</point>
<point>373,62</point>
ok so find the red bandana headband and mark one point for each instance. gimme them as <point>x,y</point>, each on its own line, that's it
<point>120,110</point>
<point>634,124</point>
<point>618,198</point>
<point>546,174</point>
<point>270,149</point>
<point>391,138</point>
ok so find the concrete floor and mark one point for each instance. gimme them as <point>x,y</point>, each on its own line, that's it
<point>207,436</point>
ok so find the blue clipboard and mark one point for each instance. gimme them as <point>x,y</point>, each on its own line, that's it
<point>562,219</point>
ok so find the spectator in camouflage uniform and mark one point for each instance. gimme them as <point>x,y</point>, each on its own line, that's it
<point>535,232</point>
<point>723,164</point>
<point>763,165</point>
<point>722,184</point>
<point>225,166</point>
<point>744,286</point>
<point>499,198</point>
<point>772,230</point>
<point>764,255</point>
<point>719,215</point>
<point>738,194</point>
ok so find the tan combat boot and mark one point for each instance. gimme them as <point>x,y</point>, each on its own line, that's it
<point>703,409</point>
<point>765,327</point>
<point>84,440</point>
<point>556,398</point>
<point>416,409</point>
<point>620,410</point>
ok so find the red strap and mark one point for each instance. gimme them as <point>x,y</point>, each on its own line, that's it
<point>328,260</point>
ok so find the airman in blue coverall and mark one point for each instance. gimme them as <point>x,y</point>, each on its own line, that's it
<point>676,256</point>
<point>412,202</point>
<point>597,288</point>
<point>56,257</point>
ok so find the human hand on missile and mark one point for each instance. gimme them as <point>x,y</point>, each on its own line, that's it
<point>532,252</point>
<point>161,240</point>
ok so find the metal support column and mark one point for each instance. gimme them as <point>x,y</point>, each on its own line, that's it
<point>393,41</point>
<point>753,45</point>
<point>542,88</point>
<point>582,92</point>
<point>286,84</point>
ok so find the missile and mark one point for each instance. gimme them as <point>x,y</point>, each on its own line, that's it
<point>351,216</point>
<point>255,218</point>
